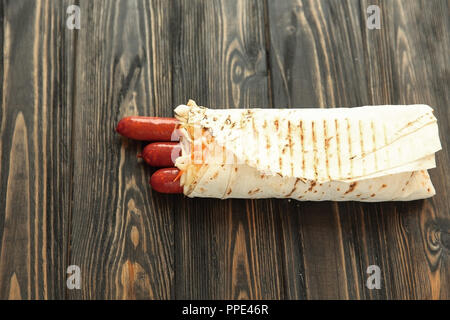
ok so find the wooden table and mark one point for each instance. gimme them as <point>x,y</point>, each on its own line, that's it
<point>73,193</point>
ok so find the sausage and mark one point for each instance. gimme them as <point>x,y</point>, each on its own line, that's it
<point>161,154</point>
<point>148,128</point>
<point>166,181</point>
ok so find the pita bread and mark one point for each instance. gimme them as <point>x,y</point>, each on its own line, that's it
<point>371,153</point>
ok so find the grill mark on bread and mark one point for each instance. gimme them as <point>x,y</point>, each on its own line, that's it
<point>256,136</point>
<point>407,181</point>
<point>412,122</point>
<point>327,142</point>
<point>350,146</point>
<point>374,140</point>
<point>312,185</point>
<point>230,179</point>
<point>293,189</point>
<point>290,148</point>
<point>351,187</point>
<point>338,146</point>
<point>302,138</point>
<point>224,156</point>
<point>386,144</point>
<point>267,139</point>
<point>252,192</point>
<point>314,149</point>
<point>280,158</point>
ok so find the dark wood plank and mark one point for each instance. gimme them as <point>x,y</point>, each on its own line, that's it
<point>35,137</point>
<point>72,192</point>
<point>308,59</point>
<point>323,56</point>
<point>224,249</point>
<point>122,235</point>
<point>407,63</point>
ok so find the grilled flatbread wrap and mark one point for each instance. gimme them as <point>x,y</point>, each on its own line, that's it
<point>371,153</point>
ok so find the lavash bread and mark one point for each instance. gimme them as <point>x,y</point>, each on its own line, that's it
<point>372,153</point>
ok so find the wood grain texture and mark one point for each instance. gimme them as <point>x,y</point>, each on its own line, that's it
<point>323,56</point>
<point>121,234</point>
<point>73,193</point>
<point>35,139</point>
<point>224,249</point>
